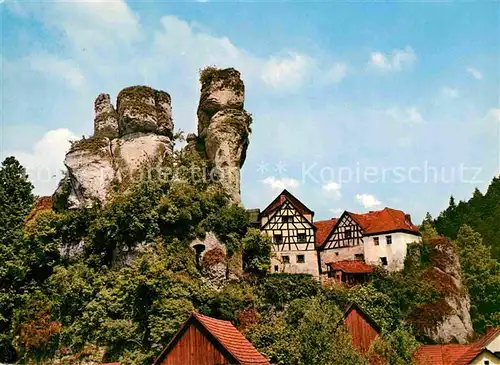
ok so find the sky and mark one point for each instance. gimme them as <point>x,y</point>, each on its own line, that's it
<point>356,106</point>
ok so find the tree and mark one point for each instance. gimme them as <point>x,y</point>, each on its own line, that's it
<point>16,200</point>
<point>256,252</point>
<point>481,276</point>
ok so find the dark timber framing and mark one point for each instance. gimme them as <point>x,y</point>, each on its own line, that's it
<point>346,233</point>
<point>290,228</point>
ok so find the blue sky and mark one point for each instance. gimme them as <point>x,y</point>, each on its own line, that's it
<point>356,106</point>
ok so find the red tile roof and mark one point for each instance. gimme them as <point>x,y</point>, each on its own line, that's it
<point>351,266</point>
<point>384,220</point>
<point>440,354</point>
<point>323,230</point>
<point>453,354</point>
<point>232,340</point>
<point>280,199</point>
<point>488,337</point>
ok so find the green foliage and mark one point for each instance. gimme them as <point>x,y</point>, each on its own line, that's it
<point>16,200</point>
<point>481,213</point>
<point>481,276</point>
<point>378,305</point>
<point>281,289</point>
<point>232,299</point>
<point>256,252</point>
<point>307,333</point>
<point>396,347</point>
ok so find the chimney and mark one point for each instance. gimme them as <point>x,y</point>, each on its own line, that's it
<point>489,328</point>
<point>408,219</point>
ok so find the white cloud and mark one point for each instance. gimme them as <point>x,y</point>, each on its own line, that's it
<point>45,162</point>
<point>393,61</point>
<point>91,22</point>
<point>410,115</point>
<point>367,200</point>
<point>53,66</point>
<point>494,114</point>
<point>280,184</point>
<point>475,73</point>
<point>449,93</point>
<point>336,73</point>
<point>333,189</point>
<point>336,211</point>
<point>288,71</point>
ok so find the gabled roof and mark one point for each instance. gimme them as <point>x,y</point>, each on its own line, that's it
<point>226,336</point>
<point>351,266</point>
<point>385,220</point>
<point>454,354</point>
<point>281,198</point>
<point>490,335</point>
<point>472,354</point>
<point>353,306</point>
<point>440,354</point>
<point>323,229</point>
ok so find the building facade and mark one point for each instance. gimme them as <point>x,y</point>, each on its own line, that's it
<point>301,245</point>
<point>289,224</point>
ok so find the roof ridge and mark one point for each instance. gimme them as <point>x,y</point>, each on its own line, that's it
<point>201,318</point>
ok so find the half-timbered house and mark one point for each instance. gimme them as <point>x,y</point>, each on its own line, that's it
<point>204,340</point>
<point>289,223</point>
<point>377,238</point>
<point>300,245</point>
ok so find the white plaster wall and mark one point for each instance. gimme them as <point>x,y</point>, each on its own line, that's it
<point>494,346</point>
<point>395,252</point>
<point>310,266</point>
<point>480,360</point>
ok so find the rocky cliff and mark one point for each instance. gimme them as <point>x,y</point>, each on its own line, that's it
<point>446,319</point>
<point>223,126</point>
<point>139,131</point>
<point>125,139</point>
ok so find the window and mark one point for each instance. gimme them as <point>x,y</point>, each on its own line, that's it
<point>486,362</point>
<point>301,259</point>
<point>375,241</point>
<point>276,268</point>
<point>383,260</point>
<point>286,219</point>
<point>336,253</point>
<point>388,239</point>
<point>278,238</point>
<point>359,257</point>
<point>301,237</point>
<point>285,259</point>
<point>348,233</point>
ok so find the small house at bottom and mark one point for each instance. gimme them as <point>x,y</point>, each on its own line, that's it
<point>361,327</point>
<point>204,340</point>
<point>484,351</point>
